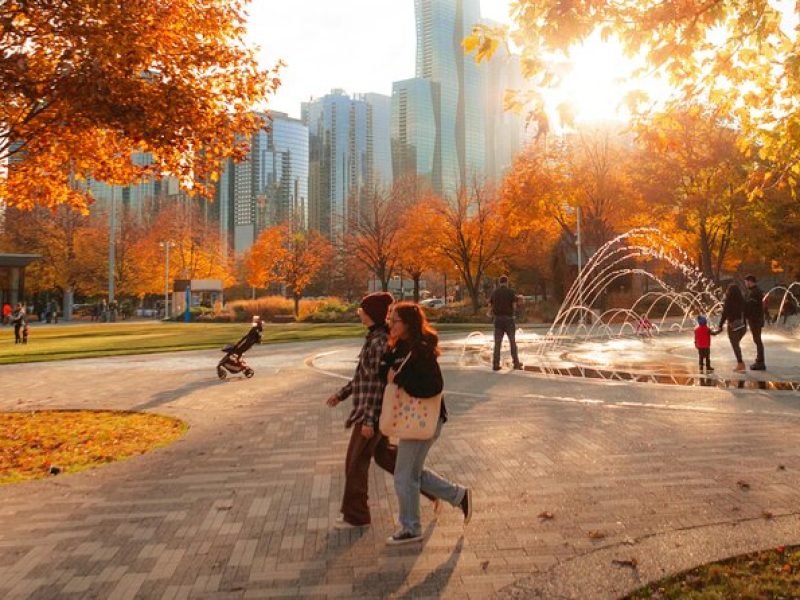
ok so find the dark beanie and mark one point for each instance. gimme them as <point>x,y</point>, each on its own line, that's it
<point>376,306</point>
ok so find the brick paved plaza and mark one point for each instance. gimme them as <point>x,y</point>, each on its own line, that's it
<point>243,506</point>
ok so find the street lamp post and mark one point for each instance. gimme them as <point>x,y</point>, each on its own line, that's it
<point>580,262</point>
<point>166,245</point>
<point>112,232</point>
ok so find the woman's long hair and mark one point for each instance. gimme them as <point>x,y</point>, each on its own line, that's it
<point>734,294</point>
<point>421,336</point>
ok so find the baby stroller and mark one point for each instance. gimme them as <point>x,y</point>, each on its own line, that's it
<point>233,362</point>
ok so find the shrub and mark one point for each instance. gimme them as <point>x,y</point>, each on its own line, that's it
<point>329,310</point>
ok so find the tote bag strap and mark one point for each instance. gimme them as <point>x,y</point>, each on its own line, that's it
<point>402,364</point>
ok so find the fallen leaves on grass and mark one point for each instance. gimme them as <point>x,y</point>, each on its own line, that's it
<point>769,574</point>
<point>39,444</point>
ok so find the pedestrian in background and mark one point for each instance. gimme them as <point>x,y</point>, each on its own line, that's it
<point>503,304</point>
<point>733,315</point>
<point>702,341</point>
<point>19,321</point>
<point>754,313</point>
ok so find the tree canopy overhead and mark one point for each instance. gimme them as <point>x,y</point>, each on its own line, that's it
<point>743,58</point>
<point>84,84</point>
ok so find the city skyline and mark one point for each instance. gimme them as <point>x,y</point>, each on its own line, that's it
<point>368,62</point>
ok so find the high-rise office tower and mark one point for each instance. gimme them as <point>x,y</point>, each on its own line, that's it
<point>349,152</point>
<point>269,187</point>
<point>414,129</point>
<point>505,130</point>
<point>459,108</point>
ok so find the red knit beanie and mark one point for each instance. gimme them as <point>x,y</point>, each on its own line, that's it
<point>376,306</point>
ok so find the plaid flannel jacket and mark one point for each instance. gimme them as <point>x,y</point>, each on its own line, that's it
<point>366,386</point>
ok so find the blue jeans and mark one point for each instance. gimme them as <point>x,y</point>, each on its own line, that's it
<point>410,477</point>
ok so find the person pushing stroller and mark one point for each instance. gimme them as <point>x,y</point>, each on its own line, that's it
<point>233,361</point>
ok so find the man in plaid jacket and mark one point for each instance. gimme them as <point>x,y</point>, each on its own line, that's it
<point>366,389</point>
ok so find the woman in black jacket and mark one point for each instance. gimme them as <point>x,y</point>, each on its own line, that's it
<point>412,338</point>
<point>733,314</point>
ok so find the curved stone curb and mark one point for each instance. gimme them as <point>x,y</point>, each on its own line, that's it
<point>596,575</point>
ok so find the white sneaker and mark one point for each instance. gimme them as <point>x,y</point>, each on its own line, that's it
<point>403,537</point>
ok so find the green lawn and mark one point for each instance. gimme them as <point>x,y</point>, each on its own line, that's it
<point>59,342</point>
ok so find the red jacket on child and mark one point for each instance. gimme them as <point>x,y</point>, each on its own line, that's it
<point>702,336</point>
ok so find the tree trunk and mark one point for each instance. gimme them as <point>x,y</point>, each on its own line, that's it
<point>296,298</point>
<point>416,278</point>
<point>705,253</point>
<point>67,305</point>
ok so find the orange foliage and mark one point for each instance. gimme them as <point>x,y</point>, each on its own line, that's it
<point>196,252</point>
<point>85,84</point>
<point>283,256</point>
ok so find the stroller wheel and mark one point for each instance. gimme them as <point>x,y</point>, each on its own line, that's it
<point>249,373</point>
<point>221,373</point>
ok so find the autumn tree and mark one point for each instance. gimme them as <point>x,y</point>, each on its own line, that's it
<point>740,57</point>
<point>86,84</point>
<point>73,248</point>
<point>286,257</point>
<point>700,174</point>
<point>196,250</point>
<point>417,252</point>
<point>372,232</point>
<point>470,233</point>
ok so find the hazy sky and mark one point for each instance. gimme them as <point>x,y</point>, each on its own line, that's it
<point>356,45</point>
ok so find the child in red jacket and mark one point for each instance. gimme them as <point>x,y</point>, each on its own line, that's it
<point>702,341</point>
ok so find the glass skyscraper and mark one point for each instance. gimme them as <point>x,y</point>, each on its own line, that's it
<point>414,128</point>
<point>269,187</point>
<point>349,152</point>
<point>459,110</point>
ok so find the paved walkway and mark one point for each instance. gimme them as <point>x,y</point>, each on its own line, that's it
<point>242,507</point>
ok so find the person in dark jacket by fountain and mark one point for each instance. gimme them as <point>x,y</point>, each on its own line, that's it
<point>733,315</point>
<point>503,305</point>
<point>754,313</point>
<point>412,338</point>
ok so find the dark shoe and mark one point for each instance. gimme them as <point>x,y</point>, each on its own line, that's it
<point>496,368</point>
<point>466,506</point>
<point>342,524</point>
<point>403,537</point>
<point>758,367</point>
<point>709,369</point>
<point>518,367</point>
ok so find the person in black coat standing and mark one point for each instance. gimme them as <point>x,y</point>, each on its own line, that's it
<point>754,313</point>
<point>503,305</point>
<point>733,315</point>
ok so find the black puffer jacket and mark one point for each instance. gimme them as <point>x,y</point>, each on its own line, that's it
<point>732,310</point>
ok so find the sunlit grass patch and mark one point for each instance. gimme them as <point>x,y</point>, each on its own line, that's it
<point>39,444</point>
<point>770,574</point>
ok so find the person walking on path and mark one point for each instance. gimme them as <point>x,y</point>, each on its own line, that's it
<point>19,321</point>
<point>754,313</point>
<point>503,303</point>
<point>733,315</point>
<point>413,343</point>
<point>702,341</point>
<point>366,389</point>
